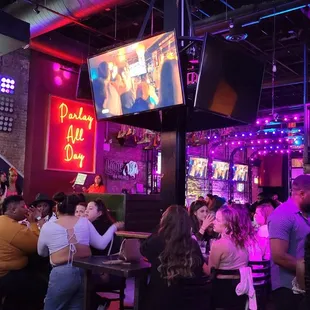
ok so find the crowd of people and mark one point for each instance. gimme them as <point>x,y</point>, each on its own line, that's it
<point>234,235</point>
<point>38,244</point>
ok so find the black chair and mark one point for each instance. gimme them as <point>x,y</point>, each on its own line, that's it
<point>261,282</point>
<point>223,294</point>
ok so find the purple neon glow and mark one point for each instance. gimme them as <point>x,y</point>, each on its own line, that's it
<point>58,80</point>
<point>67,75</point>
<point>56,66</point>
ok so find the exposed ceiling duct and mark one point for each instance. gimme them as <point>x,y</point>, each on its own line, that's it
<point>43,20</point>
<point>247,15</point>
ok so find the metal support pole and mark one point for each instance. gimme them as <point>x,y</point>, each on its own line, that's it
<point>146,19</point>
<point>305,101</point>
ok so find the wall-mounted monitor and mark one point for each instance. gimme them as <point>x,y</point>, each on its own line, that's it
<point>220,170</point>
<point>198,167</point>
<point>240,173</point>
<point>138,77</point>
<point>229,82</point>
<point>297,162</point>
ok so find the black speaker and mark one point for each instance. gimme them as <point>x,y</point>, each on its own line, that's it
<point>83,90</point>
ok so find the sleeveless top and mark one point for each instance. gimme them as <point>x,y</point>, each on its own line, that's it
<point>54,237</point>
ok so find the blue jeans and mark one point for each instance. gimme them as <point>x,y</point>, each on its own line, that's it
<point>65,289</point>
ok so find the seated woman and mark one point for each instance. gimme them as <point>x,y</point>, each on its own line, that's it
<point>229,253</point>
<point>176,273</point>
<point>64,239</point>
<point>97,187</point>
<point>80,209</point>
<point>202,220</point>
<point>98,214</point>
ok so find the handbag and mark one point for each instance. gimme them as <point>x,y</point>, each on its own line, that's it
<point>130,250</point>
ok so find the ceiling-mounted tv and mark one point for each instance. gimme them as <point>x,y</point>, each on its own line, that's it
<point>240,173</point>
<point>138,77</point>
<point>220,170</point>
<point>229,82</point>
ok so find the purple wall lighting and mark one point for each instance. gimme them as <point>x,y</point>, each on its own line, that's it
<point>61,74</point>
<point>6,123</point>
<point>7,85</point>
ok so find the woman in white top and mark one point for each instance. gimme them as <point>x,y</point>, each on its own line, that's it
<point>229,253</point>
<point>64,239</point>
<point>261,249</point>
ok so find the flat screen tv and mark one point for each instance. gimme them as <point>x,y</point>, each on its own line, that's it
<point>297,162</point>
<point>198,167</point>
<point>138,77</point>
<point>240,173</point>
<point>229,82</point>
<point>220,170</point>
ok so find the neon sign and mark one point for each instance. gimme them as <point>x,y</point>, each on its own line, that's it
<point>71,136</point>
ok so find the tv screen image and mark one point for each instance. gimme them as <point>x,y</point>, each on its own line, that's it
<point>220,170</point>
<point>297,162</point>
<point>198,167</point>
<point>240,173</point>
<point>138,77</point>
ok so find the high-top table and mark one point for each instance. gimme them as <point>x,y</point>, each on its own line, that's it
<point>133,234</point>
<point>139,271</point>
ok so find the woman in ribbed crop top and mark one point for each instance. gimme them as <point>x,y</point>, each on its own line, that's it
<point>229,253</point>
<point>64,239</point>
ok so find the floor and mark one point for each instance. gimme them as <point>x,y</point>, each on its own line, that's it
<point>129,296</point>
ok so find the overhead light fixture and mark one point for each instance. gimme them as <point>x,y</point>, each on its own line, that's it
<point>236,34</point>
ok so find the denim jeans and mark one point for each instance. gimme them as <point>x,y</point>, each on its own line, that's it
<point>65,289</point>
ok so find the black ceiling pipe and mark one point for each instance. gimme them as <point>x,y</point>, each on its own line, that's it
<point>246,15</point>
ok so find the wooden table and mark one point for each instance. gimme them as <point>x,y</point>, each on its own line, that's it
<point>133,234</point>
<point>139,271</point>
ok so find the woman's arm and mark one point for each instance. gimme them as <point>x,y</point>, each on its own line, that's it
<point>216,253</point>
<point>96,240</point>
<point>152,247</point>
<point>42,246</point>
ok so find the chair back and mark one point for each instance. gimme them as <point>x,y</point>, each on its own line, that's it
<point>261,272</point>
<point>224,290</point>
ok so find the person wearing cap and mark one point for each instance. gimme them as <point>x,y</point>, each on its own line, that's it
<point>43,203</point>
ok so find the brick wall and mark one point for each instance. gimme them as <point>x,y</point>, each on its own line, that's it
<point>12,144</point>
<point>107,131</point>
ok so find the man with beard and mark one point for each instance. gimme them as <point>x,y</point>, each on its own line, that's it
<point>288,227</point>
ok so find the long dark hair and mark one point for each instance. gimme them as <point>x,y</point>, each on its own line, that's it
<point>68,204</point>
<point>2,184</point>
<point>177,259</point>
<point>307,269</point>
<point>105,217</point>
<point>194,207</point>
<point>101,180</point>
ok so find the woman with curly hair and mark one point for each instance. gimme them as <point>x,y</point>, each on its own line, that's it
<point>177,265</point>
<point>229,253</point>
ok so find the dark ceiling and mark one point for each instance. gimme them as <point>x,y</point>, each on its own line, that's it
<point>123,23</point>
